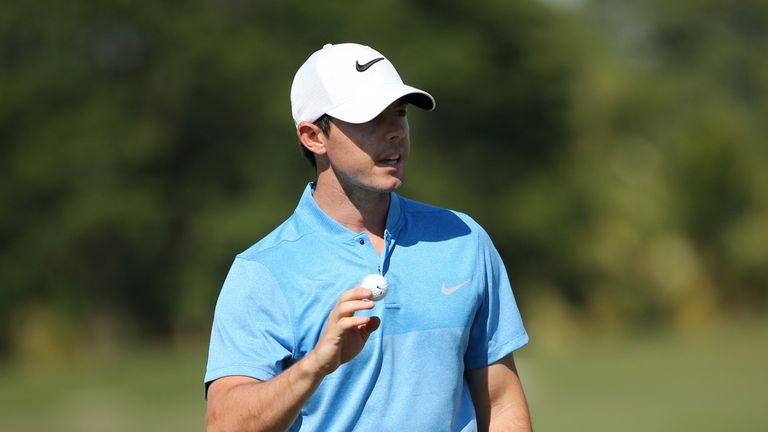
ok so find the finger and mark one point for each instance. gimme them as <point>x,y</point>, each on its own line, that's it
<point>357,293</point>
<point>353,322</point>
<point>348,308</point>
<point>370,327</point>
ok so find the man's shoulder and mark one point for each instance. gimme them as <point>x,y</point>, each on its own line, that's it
<point>284,234</point>
<point>435,215</point>
<point>432,223</point>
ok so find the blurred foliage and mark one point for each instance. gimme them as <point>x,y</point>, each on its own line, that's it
<point>614,150</point>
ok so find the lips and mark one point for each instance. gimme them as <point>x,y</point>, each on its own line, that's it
<point>392,160</point>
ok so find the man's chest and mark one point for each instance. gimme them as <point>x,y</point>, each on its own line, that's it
<point>431,286</point>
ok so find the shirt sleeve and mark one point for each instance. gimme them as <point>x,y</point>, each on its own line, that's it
<point>498,327</point>
<point>252,331</point>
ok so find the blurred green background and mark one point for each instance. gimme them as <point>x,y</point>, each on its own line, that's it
<point>615,151</point>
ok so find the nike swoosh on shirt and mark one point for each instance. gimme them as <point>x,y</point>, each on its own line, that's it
<point>364,67</point>
<point>453,289</point>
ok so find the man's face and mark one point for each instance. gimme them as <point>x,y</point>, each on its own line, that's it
<point>371,156</point>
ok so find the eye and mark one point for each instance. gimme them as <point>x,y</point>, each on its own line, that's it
<point>402,112</point>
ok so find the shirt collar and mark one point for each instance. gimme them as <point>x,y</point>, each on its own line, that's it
<point>310,214</point>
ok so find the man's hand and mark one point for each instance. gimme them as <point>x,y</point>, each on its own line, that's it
<point>238,403</point>
<point>345,334</point>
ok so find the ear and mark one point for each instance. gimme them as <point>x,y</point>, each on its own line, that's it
<point>311,137</point>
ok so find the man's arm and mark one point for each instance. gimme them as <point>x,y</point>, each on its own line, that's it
<point>242,403</point>
<point>238,403</point>
<point>497,394</point>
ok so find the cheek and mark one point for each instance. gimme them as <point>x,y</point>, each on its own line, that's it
<point>350,158</point>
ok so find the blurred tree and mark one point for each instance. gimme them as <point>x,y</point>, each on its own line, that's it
<point>614,151</point>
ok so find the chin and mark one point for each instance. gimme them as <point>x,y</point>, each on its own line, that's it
<point>393,185</point>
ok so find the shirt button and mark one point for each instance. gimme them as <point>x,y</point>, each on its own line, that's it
<point>362,242</point>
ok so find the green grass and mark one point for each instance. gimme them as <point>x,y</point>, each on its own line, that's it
<point>144,390</point>
<point>715,382</point>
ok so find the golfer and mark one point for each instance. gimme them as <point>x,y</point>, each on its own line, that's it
<point>297,344</point>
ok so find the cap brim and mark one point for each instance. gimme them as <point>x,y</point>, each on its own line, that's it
<point>365,107</point>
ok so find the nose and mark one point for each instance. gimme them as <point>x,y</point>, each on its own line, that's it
<point>397,129</point>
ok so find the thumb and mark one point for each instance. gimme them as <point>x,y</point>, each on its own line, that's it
<point>371,326</point>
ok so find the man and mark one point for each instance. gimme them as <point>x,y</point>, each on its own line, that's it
<point>297,344</point>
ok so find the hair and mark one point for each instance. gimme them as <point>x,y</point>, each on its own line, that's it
<point>324,123</point>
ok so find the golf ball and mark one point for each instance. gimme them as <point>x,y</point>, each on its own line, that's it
<point>377,284</point>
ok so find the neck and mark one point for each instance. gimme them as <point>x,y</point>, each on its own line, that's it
<point>357,209</point>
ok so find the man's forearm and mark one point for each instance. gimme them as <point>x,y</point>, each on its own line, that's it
<point>497,394</point>
<point>512,417</point>
<point>264,406</point>
<point>508,407</point>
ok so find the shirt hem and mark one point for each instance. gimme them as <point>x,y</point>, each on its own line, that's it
<point>498,352</point>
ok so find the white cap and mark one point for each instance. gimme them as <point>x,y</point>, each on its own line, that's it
<point>351,82</point>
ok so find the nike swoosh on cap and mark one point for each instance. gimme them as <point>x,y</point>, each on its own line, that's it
<point>453,289</point>
<point>364,67</point>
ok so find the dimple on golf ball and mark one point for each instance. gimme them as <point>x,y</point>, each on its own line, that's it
<point>377,284</point>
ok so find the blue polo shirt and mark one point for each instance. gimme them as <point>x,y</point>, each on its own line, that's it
<point>449,308</point>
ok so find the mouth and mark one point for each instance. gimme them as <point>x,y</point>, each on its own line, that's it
<point>390,161</point>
